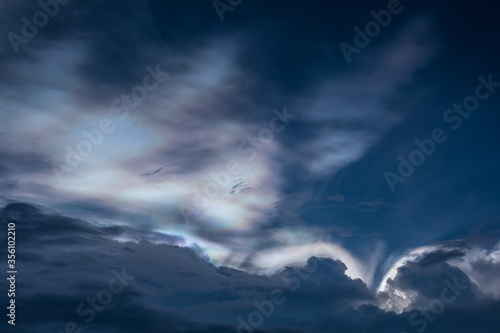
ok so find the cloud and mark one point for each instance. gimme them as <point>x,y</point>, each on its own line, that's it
<point>417,277</point>
<point>177,287</point>
<point>354,109</point>
<point>192,125</point>
<point>226,82</point>
<point>481,266</point>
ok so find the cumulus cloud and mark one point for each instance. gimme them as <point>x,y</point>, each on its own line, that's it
<point>176,287</point>
<point>208,186</point>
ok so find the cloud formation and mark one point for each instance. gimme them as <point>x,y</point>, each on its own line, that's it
<point>230,165</point>
<point>176,287</point>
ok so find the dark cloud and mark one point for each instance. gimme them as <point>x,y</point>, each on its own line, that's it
<point>321,177</point>
<point>176,289</point>
<point>15,163</point>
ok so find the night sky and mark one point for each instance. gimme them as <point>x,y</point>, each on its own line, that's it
<point>250,166</point>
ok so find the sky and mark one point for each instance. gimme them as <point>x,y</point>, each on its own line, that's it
<point>249,166</point>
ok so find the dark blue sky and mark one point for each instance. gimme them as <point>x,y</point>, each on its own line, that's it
<point>214,147</point>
